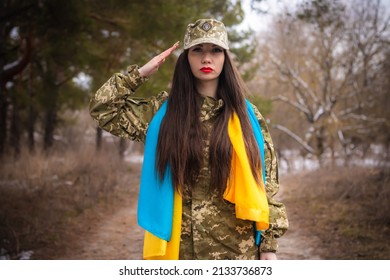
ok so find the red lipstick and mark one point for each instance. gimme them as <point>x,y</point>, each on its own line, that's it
<point>206,69</point>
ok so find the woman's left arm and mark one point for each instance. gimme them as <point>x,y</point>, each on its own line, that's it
<point>278,216</point>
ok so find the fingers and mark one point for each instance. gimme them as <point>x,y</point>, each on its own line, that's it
<point>167,52</point>
<point>152,66</point>
<point>175,45</point>
<point>173,48</point>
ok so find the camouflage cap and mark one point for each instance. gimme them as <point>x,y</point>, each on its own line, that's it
<point>206,31</point>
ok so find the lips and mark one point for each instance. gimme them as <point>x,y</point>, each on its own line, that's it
<point>206,69</point>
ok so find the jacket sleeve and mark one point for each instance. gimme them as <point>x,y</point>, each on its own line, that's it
<point>278,216</point>
<point>117,111</point>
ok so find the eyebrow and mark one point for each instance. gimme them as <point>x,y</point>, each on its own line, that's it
<point>213,45</point>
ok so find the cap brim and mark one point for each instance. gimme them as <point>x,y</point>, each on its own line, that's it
<point>206,40</point>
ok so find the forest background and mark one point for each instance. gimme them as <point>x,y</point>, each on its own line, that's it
<point>317,69</point>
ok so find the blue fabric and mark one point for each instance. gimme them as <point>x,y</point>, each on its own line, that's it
<point>258,134</point>
<point>260,142</point>
<point>155,202</point>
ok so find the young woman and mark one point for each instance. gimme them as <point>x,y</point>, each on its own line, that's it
<point>210,171</point>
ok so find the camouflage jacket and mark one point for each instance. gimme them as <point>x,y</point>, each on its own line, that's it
<point>209,227</point>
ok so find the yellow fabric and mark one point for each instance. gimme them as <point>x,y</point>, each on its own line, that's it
<point>158,249</point>
<point>249,198</point>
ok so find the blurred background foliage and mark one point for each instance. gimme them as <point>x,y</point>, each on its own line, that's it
<point>323,63</point>
<point>47,46</point>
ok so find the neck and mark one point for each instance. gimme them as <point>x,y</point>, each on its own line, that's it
<point>207,88</point>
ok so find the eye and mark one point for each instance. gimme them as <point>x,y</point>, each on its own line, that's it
<point>197,49</point>
<point>217,50</point>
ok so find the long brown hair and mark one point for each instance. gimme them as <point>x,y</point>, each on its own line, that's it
<point>179,144</point>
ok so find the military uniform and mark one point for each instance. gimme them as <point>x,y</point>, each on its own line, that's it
<point>210,229</point>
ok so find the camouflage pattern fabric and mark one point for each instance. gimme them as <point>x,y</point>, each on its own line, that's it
<point>119,112</point>
<point>206,31</point>
<point>210,229</point>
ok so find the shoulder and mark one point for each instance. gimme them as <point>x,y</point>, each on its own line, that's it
<point>258,115</point>
<point>162,96</point>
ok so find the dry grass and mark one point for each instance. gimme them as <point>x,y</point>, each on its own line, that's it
<point>346,208</point>
<point>42,197</point>
<point>48,202</point>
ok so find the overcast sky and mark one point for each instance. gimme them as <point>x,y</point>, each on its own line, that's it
<point>260,22</point>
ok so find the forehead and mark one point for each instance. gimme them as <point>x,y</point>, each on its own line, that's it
<point>206,45</point>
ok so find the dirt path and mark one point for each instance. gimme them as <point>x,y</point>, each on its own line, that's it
<point>298,243</point>
<point>119,237</point>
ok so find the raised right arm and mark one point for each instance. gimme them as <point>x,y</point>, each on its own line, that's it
<point>115,108</point>
<point>117,111</point>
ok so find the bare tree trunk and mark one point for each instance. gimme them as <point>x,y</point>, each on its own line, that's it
<point>3,120</point>
<point>50,120</point>
<point>6,75</point>
<point>15,129</point>
<point>320,146</point>
<point>99,133</point>
<point>31,128</point>
<point>50,123</point>
<point>32,114</point>
<point>122,147</point>
<point>3,104</point>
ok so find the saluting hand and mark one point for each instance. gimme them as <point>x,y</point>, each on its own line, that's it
<point>152,66</point>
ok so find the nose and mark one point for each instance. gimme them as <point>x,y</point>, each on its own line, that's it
<point>206,58</point>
